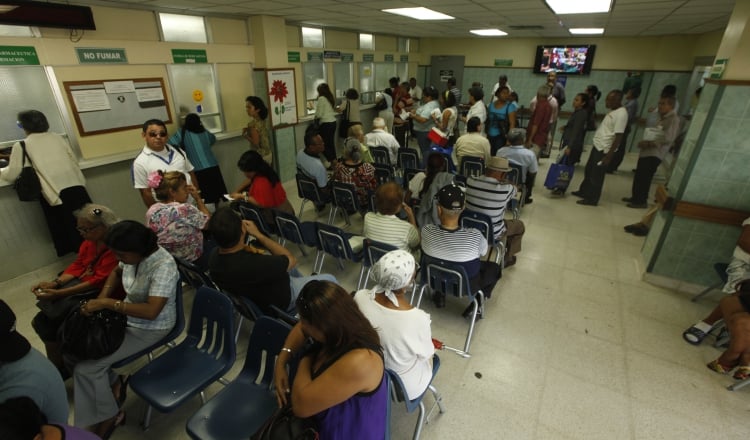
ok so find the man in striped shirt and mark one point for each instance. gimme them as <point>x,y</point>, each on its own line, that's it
<point>384,226</point>
<point>490,194</point>
<point>451,242</point>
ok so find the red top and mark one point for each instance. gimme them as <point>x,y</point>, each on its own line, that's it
<point>93,268</point>
<point>265,194</point>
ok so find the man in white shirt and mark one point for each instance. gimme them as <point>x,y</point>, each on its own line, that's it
<point>414,90</point>
<point>523,156</point>
<point>472,143</point>
<point>607,140</point>
<point>158,155</point>
<point>379,137</point>
<point>502,80</point>
<point>478,109</point>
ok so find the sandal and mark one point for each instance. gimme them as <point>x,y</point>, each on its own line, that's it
<point>694,335</point>
<point>717,367</point>
<point>119,420</point>
<point>742,372</point>
<point>123,391</point>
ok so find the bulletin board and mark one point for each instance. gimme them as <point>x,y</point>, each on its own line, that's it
<point>116,105</point>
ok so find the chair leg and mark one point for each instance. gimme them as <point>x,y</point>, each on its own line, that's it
<point>332,214</point>
<point>301,207</point>
<point>302,249</point>
<point>421,292</point>
<point>438,399</point>
<point>361,275</point>
<point>467,344</point>
<point>420,420</point>
<point>738,385</point>
<point>239,327</point>
<point>203,396</point>
<point>705,292</point>
<point>147,418</point>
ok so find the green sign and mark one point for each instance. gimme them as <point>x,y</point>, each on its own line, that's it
<point>293,57</point>
<point>388,57</point>
<point>404,58</point>
<point>189,56</point>
<point>314,56</point>
<point>503,62</point>
<point>18,56</point>
<point>368,57</point>
<point>717,71</point>
<point>101,55</point>
<point>347,57</point>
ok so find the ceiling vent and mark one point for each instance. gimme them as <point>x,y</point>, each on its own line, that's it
<point>526,27</point>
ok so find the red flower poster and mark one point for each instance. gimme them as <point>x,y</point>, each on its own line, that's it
<point>282,98</point>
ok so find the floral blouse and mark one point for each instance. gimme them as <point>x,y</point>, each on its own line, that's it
<point>264,147</point>
<point>178,228</point>
<point>362,176</point>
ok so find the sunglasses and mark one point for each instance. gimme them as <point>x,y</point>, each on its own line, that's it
<point>154,134</point>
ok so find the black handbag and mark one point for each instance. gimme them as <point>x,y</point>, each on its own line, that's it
<point>59,308</point>
<point>284,425</point>
<point>344,124</point>
<point>92,337</point>
<point>27,184</point>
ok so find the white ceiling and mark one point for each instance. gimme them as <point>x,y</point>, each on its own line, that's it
<point>628,17</point>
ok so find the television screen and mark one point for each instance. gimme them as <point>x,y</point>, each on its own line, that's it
<point>570,60</point>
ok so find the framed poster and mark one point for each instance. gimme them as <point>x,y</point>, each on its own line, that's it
<point>282,97</point>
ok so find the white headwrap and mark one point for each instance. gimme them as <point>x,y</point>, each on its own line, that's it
<point>392,272</point>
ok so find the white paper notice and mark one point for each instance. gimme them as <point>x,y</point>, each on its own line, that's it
<point>119,87</point>
<point>90,100</point>
<point>151,94</point>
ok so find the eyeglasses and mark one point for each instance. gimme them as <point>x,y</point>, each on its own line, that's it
<point>154,134</point>
<point>86,230</point>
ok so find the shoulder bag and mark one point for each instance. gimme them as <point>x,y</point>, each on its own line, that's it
<point>27,185</point>
<point>344,123</point>
<point>92,337</point>
<point>284,425</point>
<point>59,308</point>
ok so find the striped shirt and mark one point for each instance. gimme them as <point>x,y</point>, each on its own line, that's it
<point>486,195</point>
<point>462,245</point>
<point>391,230</point>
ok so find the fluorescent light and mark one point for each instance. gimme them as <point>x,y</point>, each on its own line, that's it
<point>488,32</point>
<point>579,6</point>
<point>419,13</point>
<point>587,31</point>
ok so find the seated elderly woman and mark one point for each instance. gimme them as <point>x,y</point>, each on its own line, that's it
<point>86,274</point>
<point>148,273</point>
<point>404,330</point>
<point>352,170</point>
<point>384,226</point>
<point>341,380</point>
<point>735,311</point>
<point>178,224</point>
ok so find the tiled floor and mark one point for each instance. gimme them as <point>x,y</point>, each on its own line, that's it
<point>574,345</point>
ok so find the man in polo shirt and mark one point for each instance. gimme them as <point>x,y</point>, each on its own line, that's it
<point>379,137</point>
<point>490,194</point>
<point>451,242</point>
<point>384,226</point>
<point>523,156</point>
<point>607,140</point>
<point>158,155</point>
<point>309,163</point>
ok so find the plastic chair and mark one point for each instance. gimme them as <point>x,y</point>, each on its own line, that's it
<point>193,275</point>
<point>308,191</point>
<point>205,355</point>
<point>335,242</point>
<point>167,340</point>
<point>520,183</point>
<point>483,223</point>
<point>383,173</point>
<point>460,180</point>
<point>407,158</point>
<point>398,394</point>
<point>372,251</point>
<point>292,229</point>
<point>514,176</point>
<point>253,213</point>
<point>471,166</point>
<point>409,174</point>
<point>721,271</point>
<point>344,198</point>
<point>238,410</point>
<point>381,155</point>
<point>450,279</point>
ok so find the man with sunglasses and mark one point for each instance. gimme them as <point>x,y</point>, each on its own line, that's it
<point>158,155</point>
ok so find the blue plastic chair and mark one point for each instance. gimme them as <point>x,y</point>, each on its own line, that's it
<point>292,229</point>
<point>238,410</point>
<point>308,191</point>
<point>483,223</point>
<point>253,213</point>
<point>407,158</point>
<point>383,173</point>
<point>204,356</point>
<point>398,394</point>
<point>335,242</point>
<point>167,340</point>
<point>450,279</point>
<point>345,199</point>
<point>193,275</point>
<point>471,166</point>
<point>372,251</point>
<point>380,155</point>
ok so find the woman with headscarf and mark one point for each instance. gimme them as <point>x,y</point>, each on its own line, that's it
<point>404,330</point>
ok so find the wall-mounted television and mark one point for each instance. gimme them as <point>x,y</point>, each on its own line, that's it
<point>568,60</point>
<point>44,14</point>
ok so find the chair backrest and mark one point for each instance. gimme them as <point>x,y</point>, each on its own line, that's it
<point>193,275</point>
<point>383,173</point>
<point>479,221</point>
<point>374,251</point>
<point>409,174</point>
<point>445,276</point>
<point>266,341</point>
<point>211,327</point>
<point>407,158</point>
<point>472,166</point>
<point>460,180</point>
<point>333,242</point>
<point>381,155</point>
<point>307,188</point>
<point>513,176</point>
<point>291,229</point>
<point>345,196</point>
<point>250,212</point>
<point>519,169</point>
<point>398,390</point>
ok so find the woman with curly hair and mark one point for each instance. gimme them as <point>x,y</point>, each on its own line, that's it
<point>256,131</point>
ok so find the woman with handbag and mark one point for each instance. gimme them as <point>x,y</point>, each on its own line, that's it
<point>62,183</point>
<point>326,115</point>
<point>81,280</point>
<point>349,112</point>
<point>148,273</point>
<point>501,118</point>
<point>340,380</point>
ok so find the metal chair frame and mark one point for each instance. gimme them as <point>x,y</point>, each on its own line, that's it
<point>308,191</point>
<point>398,394</point>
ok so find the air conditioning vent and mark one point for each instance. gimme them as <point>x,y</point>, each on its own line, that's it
<point>526,27</point>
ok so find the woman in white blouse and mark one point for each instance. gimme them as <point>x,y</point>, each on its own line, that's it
<point>326,116</point>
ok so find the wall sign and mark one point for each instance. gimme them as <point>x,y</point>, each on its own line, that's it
<point>314,56</point>
<point>331,54</point>
<point>101,55</point>
<point>388,57</point>
<point>368,57</point>
<point>18,56</point>
<point>189,56</point>
<point>293,57</point>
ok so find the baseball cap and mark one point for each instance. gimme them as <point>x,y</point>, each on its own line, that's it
<point>451,197</point>
<point>498,164</point>
<point>13,346</point>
